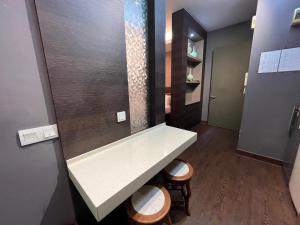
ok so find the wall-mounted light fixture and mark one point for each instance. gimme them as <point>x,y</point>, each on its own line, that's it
<point>192,35</point>
<point>296,18</point>
<point>168,37</point>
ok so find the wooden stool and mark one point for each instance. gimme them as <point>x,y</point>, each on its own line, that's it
<point>177,176</point>
<point>149,205</point>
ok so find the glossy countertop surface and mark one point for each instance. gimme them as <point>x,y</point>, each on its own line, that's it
<point>103,174</point>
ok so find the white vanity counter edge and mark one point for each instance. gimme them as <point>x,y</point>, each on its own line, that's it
<point>107,176</point>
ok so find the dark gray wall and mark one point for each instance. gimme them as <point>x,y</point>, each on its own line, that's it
<point>220,38</point>
<point>34,188</point>
<point>270,98</point>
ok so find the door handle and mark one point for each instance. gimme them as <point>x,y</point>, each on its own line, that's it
<point>293,120</point>
<point>212,97</point>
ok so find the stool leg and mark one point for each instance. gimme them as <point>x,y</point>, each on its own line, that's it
<point>187,198</point>
<point>131,222</point>
<point>168,219</point>
<point>183,191</point>
<point>188,189</point>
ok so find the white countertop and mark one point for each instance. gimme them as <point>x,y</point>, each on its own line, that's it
<point>107,176</point>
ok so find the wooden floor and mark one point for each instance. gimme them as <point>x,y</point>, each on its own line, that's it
<point>228,189</point>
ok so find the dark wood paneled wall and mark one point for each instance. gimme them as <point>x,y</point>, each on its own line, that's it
<point>183,116</point>
<point>156,46</point>
<point>84,45</point>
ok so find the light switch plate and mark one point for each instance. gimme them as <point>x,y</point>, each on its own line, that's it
<point>296,18</point>
<point>121,116</point>
<point>38,134</point>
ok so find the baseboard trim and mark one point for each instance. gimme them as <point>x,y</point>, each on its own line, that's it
<point>204,123</point>
<point>258,157</point>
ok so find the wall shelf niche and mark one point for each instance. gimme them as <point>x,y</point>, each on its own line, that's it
<point>195,50</point>
<point>193,61</point>
<point>188,56</point>
<point>195,82</point>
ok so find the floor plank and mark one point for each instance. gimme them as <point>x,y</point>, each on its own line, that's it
<point>228,189</point>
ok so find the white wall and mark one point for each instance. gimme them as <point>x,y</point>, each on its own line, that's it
<point>34,188</point>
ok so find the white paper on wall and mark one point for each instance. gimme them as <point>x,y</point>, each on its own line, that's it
<point>269,61</point>
<point>290,60</point>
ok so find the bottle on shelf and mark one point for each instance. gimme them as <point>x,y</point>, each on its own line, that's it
<point>194,53</point>
<point>190,76</point>
<point>190,49</point>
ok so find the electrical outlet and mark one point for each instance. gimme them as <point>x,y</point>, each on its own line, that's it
<point>121,116</point>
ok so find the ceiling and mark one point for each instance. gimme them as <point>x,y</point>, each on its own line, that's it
<point>213,14</point>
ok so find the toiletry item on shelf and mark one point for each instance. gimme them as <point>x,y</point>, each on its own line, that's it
<point>189,48</point>
<point>194,53</point>
<point>190,76</point>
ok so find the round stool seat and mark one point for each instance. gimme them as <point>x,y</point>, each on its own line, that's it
<point>149,204</point>
<point>179,170</point>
